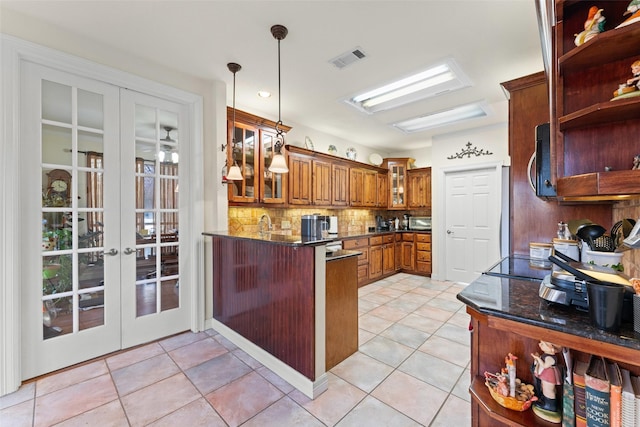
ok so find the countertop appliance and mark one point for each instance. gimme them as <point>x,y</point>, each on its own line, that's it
<point>420,223</point>
<point>333,225</point>
<point>568,286</point>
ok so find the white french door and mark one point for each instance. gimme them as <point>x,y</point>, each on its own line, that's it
<point>100,171</point>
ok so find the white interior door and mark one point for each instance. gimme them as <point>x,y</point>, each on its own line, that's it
<point>101,267</point>
<point>70,289</point>
<point>472,221</point>
<point>154,301</point>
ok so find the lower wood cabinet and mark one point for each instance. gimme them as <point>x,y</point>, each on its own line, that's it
<point>362,245</point>
<point>407,256</point>
<point>341,338</point>
<point>423,253</point>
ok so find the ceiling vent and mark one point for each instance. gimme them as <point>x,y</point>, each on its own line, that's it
<point>348,58</point>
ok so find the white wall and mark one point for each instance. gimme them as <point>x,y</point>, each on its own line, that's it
<point>494,139</point>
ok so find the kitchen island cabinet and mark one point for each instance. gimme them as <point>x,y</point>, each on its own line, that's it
<point>507,316</point>
<point>271,294</point>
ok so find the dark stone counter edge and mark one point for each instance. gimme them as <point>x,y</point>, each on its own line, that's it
<point>625,338</point>
<point>296,240</point>
<point>342,253</point>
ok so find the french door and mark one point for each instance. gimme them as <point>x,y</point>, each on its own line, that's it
<point>100,173</point>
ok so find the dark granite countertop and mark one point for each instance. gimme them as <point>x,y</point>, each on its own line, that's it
<point>271,237</point>
<point>517,299</point>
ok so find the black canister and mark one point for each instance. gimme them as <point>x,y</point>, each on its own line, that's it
<point>605,305</point>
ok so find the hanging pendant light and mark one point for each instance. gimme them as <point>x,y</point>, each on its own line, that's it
<point>278,163</point>
<point>234,171</point>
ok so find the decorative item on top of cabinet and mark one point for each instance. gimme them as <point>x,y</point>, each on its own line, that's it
<point>586,121</point>
<point>259,185</point>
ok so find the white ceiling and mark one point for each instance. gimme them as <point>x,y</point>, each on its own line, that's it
<point>492,40</point>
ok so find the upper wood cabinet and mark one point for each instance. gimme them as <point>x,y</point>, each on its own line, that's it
<point>356,187</point>
<point>398,168</point>
<point>382,190</point>
<point>321,179</point>
<point>300,174</point>
<point>595,135</point>
<point>339,185</point>
<point>419,185</point>
<point>252,152</point>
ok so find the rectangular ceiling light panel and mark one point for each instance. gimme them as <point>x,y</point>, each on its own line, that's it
<point>438,79</point>
<point>442,118</point>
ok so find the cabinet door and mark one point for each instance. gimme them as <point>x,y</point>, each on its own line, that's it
<point>398,255</point>
<point>375,261</point>
<point>388,259</point>
<point>370,188</point>
<point>340,185</point>
<point>272,185</point>
<point>242,149</point>
<point>419,183</point>
<point>407,256</point>
<point>321,183</point>
<point>299,180</point>
<point>397,176</point>
<point>382,190</point>
<point>356,187</point>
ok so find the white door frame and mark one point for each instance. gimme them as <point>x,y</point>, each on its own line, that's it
<point>439,235</point>
<point>14,51</point>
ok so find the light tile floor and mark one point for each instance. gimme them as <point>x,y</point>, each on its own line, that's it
<point>412,369</point>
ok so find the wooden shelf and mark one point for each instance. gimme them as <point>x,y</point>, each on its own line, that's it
<point>608,46</point>
<point>614,183</point>
<point>480,393</point>
<point>601,113</point>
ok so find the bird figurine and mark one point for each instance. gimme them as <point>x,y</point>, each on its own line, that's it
<point>592,26</point>
<point>634,10</point>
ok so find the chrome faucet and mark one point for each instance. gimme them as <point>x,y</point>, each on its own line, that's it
<point>261,223</point>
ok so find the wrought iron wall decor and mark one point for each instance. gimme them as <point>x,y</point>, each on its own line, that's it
<point>469,151</point>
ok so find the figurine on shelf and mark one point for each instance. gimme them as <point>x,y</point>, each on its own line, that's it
<point>508,390</point>
<point>634,10</point>
<point>636,163</point>
<point>592,26</point>
<point>547,377</point>
<point>631,87</point>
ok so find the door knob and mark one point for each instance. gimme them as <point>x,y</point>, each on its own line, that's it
<point>112,252</point>
<point>128,251</point>
<point>449,232</point>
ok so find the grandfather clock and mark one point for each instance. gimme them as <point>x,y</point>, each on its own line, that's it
<point>59,184</point>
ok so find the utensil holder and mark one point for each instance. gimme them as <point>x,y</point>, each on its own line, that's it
<point>605,305</point>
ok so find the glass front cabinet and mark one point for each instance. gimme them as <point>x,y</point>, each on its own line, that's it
<point>251,146</point>
<point>398,180</point>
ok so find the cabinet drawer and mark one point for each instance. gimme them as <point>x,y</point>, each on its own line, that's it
<point>355,243</point>
<point>407,237</point>
<point>423,246</point>
<point>423,267</point>
<point>363,258</point>
<point>423,256</point>
<point>373,241</point>
<point>363,272</point>
<point>387,238</point>
<point>423,237</point>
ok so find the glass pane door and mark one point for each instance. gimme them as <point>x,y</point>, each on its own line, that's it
<point>156,213</point>
<point>72,209</point>
<point>272,184</point>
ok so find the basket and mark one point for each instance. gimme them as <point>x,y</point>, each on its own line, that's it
<point>510,402</point>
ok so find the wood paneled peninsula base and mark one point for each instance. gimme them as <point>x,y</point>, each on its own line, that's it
<point>278,299</point>
<point>507,316</point>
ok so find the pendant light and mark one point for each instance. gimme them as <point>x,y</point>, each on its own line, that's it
<point>278,163</point>
<point>234,171</point>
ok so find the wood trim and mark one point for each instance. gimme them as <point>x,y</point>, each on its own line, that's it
<point>252,119</point>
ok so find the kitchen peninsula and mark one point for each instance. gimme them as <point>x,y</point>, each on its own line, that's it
<point>507,316</point>
<point>287,302</point>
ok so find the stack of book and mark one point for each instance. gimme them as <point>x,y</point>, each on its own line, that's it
<point>603,395</point>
